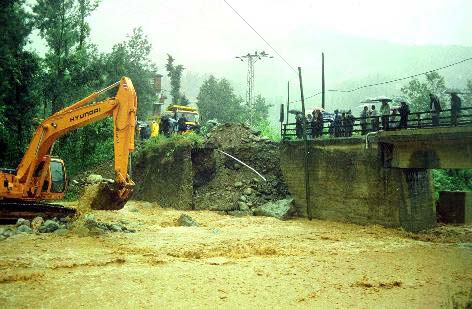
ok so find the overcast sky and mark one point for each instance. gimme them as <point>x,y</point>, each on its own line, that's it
<point>207,30</point>
<point>206,35</point>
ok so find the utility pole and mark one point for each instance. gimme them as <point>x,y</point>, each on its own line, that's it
<point>322,82</point>
<point>251,60</point>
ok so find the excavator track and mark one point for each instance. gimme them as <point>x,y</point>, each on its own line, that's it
<point>10,211</point>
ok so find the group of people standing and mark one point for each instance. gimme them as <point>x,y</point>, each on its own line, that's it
<point>371,120</point>
<point>389,118</point>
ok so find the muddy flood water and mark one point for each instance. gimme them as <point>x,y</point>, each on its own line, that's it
<point>232,262</point>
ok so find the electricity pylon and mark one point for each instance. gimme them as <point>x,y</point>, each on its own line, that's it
<point>251,60</point>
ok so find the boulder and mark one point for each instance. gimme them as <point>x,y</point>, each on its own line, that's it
<point>36,223</point>
<point>248,191</point>
<point>22,221</point>
<point>49,226</point>
<point>186,220</point>
<point>240,213</point>
<point>94,178</point>
<point>24,229</point>
<point>281,209</point>
<point>238,184</point>
<point>243,206</point>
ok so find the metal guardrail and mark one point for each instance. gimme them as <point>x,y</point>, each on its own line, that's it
<point>346,129</point>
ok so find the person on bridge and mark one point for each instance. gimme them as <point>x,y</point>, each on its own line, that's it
<point>434,108</point>
<point>319,124</point>
<point>385,112</point>
<point>455,108</point>
<point>374,118</point>
<point>404,112</point>
<point>299,125</point>
<point>394,119</point>
<point>337,124</point>
<point>363,120</point>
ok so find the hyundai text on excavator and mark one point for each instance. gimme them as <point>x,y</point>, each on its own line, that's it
<point>41,176</point>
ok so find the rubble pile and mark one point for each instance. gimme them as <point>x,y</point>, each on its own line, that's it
<point>234,188</point>
<point>229,135</point>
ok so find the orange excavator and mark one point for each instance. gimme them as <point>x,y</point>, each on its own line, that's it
<point>41,176</point>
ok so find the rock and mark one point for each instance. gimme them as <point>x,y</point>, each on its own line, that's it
<point>239,213</point>
<point>8,232</point>
<point>61,231</point>
<point>116,228</point>
<point>132,209</point>
<point>186,220</point>
<point>24,229</point>
<point>36,223</point>
<point>243,198</point>
<point>22,221</point>
<point>94,178</point>
<point>238,184</point>
<point>89,218</point>
<point>281,209</point>
<point>49,226</point>
<point>248,191</point>
<point>243,206</point>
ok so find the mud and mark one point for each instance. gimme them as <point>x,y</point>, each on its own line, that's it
<point>233,262</point>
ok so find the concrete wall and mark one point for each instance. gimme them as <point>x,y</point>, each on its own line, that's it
<point>349,183</point>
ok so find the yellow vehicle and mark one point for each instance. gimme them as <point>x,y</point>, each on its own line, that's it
<point>40,176</point>
<point>187,113</point>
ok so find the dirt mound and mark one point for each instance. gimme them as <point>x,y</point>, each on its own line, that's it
<point>228,135</point>
<point>236,188</point>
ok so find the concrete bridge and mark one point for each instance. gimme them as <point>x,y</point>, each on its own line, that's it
<point>382,178</point>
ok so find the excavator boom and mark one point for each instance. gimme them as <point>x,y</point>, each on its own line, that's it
<point>40,176</point>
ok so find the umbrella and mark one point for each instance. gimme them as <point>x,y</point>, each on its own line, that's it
<point>317,108</point>
<point>382,99</point>
<point>294,111</point>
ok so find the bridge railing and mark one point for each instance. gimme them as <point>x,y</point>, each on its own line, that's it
<point>361,126</point>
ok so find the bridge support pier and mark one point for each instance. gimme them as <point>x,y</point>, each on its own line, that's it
<point>350,183</point>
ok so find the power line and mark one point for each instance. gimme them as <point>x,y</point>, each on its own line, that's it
<point>278,54</point>
<point>390,81</point>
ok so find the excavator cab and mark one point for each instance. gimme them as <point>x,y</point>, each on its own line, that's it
<point>52,179</point>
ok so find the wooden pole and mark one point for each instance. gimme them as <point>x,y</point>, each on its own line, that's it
<point>305,141</point>
<point>288,100</point>
<point>322,82</point>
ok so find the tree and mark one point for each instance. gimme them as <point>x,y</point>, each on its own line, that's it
<point>58,22</point>
<point>261,108</point>
<point>18,88</point>
<point>175,75</point>
<point>418,92</point>
<point>216,100</point>
<point>132,58</point>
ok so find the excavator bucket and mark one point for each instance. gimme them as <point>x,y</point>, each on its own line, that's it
<point>109,196</point>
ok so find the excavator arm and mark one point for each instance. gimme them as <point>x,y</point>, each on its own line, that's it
<point>27,182</point>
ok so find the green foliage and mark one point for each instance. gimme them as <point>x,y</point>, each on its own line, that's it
<point>418,92</point>
<point>452,180</point>
<point>174,72</point>
<point>132,58</point>
<point>216,100</point>
<point>18,88</point>
<point>267,130</point>
<point>167,145</point>
<point>261,108</point>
